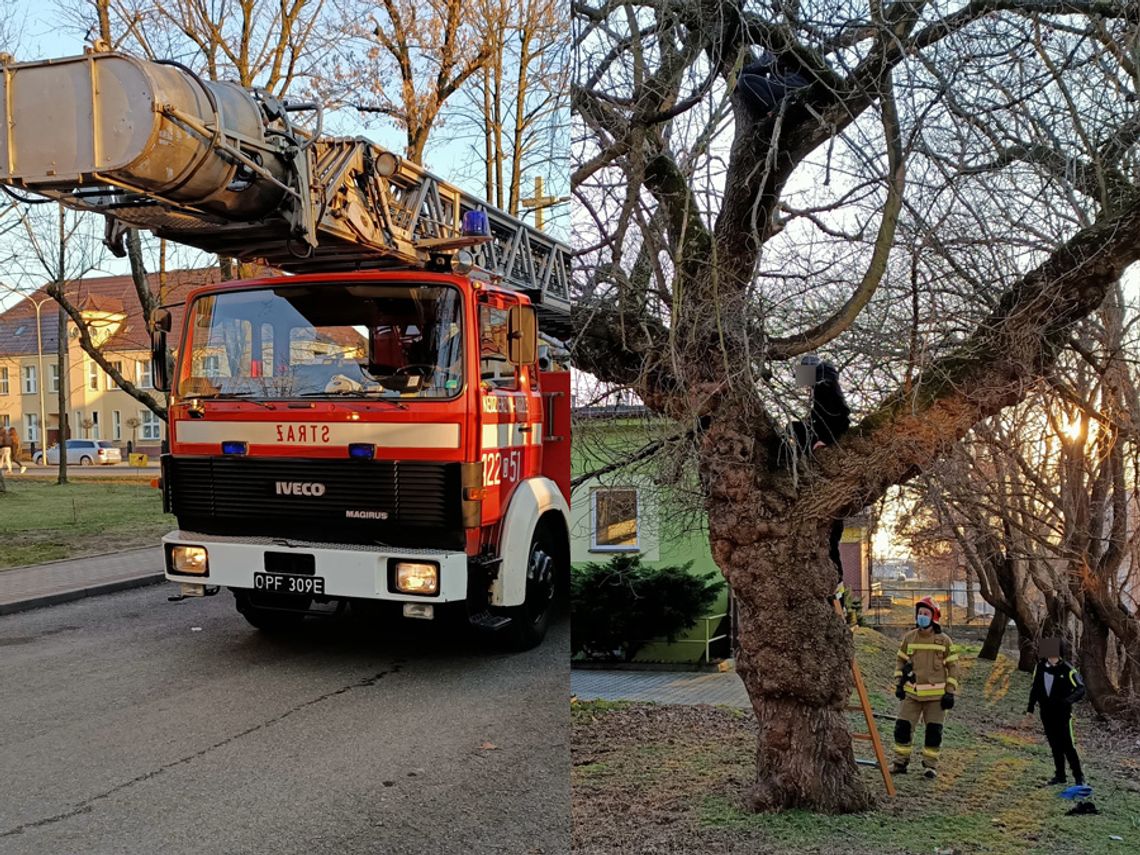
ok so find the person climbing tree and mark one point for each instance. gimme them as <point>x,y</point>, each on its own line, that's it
<point>764,83</point>
<point>927,677</point>
<point>828,419</point>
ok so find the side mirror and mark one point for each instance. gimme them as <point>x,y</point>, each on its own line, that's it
<point>523,336</point>
<point>160,323</point>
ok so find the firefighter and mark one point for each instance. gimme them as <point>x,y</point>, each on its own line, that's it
<point>927,675</point>
<point>1057,686</point>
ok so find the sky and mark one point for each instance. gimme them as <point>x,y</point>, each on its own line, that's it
<point>41,35</point>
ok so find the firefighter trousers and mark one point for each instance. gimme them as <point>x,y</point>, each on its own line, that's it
<point>932,715</point>
<point>1059,732</point>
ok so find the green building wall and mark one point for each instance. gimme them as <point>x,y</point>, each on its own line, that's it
<point>671,529</point>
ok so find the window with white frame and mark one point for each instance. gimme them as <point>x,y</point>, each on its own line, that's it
<point>3,381</point>
<point>31,383</point>
<point>5,421</point>
<point>151,428</point>
<point>118,366</point>
<point>53,377</point>
<point>144,378</point>
<point>116,425</point>
<point>614,520</point>
<point>31,427</point>
<point>93,375</point>
<point>95,425</point>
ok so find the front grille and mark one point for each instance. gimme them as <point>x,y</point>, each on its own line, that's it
<point>319,500</point>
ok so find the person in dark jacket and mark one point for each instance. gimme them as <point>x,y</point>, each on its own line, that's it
<point>1056,687</point>
<point>828,420</point>
<point>766,82</point>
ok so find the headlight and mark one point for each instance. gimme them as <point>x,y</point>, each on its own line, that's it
<point>417,578</point>
<point>190,560</point>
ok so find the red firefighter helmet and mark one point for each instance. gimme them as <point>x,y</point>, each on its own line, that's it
<point>929,603</point>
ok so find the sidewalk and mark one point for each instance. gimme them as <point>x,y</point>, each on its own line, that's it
<point>62,581</point>
<point>662,687</point>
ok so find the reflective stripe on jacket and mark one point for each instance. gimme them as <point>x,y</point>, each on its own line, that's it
<point>935,663</point>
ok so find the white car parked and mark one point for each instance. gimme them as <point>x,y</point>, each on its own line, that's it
<point>85,452</point>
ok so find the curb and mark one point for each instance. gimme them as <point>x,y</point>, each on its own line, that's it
<point>130,551</point>
<point>74,594</point>
<point>645,667</point>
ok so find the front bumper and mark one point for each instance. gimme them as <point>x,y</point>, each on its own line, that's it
<point>349,571</point>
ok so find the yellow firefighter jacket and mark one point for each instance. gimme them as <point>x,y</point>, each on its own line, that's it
<point>935,663</point>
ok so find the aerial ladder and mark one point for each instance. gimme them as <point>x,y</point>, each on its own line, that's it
<point>152,145</point>
<point>410,446</point>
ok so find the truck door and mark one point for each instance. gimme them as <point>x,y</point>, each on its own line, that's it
<point>511,409</point>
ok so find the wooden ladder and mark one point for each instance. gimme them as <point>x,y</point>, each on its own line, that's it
<point>872,734</point>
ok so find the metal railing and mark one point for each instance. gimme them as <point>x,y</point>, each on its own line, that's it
<point>893,605</point>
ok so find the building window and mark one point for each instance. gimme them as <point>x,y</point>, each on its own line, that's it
<point>30,384</point>
<point>53,378</point>
<point>144,378</point>
<point>118,366</point>
<point>95,425</point>
<point>93,375</point>
<point>3,381</point>
<point>151,426</point>
<point>116,425</point>
<point>5,421</point>
<point>615,520</point>
<point>31,427</point>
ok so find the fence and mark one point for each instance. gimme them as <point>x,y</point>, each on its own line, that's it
<point>893,605</point>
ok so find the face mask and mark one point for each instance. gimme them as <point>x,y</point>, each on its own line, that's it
<point>923,621</point>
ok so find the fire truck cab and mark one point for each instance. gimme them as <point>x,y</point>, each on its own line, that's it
<point>368,436</point>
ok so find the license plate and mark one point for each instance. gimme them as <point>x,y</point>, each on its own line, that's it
<point>283,583</point>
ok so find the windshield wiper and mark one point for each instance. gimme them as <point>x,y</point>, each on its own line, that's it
<point>244,396</point>
<point>355,393</point>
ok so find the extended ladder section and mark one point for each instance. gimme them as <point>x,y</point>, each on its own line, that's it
<point>213,165</point>
<point>872,734</point>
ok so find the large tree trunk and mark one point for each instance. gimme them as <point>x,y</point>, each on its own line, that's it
<point>992,645</point>
<point>1103,694</point>
<point>1026,646</point>
<point>795,653</point>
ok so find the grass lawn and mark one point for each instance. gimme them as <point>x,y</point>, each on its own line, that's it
<point>664,779</point>
<point>43,521</point>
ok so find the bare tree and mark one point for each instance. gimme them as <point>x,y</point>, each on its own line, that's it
<point>517,116</point>
<point>276,45</point>
<point>937,196</point>
<point>404,59</point>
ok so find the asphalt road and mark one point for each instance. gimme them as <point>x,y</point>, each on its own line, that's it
<point>132,724</point>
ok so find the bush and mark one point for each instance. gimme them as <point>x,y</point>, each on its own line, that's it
<point>619,606</point>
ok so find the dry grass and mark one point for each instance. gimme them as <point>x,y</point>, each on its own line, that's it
<point>668,779</point>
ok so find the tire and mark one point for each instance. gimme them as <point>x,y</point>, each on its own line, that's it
<point>270,620</point>
<point>531,620</point>
<point>84,460</point>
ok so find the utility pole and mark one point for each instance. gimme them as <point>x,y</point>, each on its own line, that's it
<point>538,202</point>
<point>63,376</point>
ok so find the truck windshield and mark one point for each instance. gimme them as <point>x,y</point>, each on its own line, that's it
<point>322,340</point>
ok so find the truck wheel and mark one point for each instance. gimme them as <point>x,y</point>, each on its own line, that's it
<point>269,620</point>
<point>530,621</point>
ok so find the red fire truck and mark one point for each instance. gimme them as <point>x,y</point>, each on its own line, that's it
<point>384,422</point>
